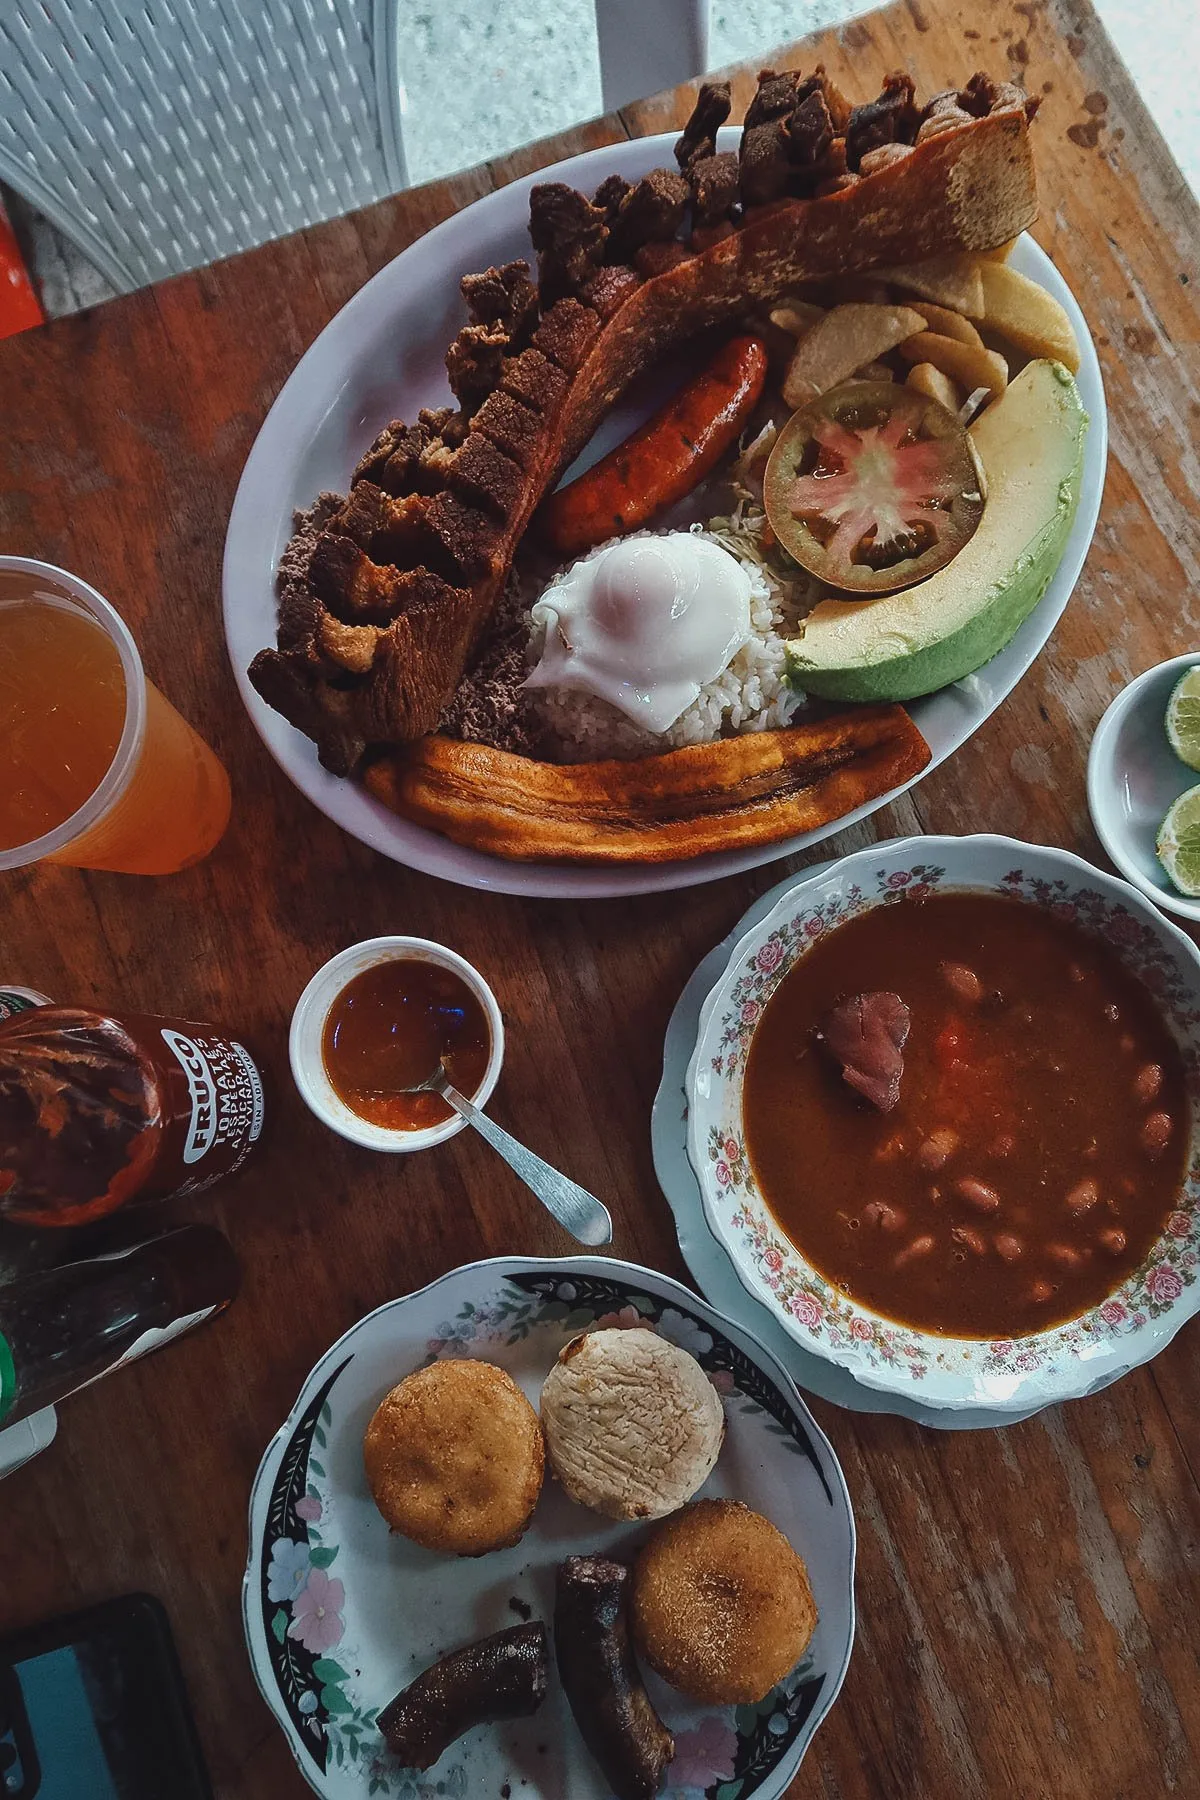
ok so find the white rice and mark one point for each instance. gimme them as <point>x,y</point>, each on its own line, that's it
<point>750,694</point>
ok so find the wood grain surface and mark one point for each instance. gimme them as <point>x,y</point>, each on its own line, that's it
<point>1027,1597</point>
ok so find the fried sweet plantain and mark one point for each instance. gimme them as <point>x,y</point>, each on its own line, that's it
<point>726,795</point>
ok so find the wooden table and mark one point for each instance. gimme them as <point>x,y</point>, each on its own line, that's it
<point>1027,1597</point>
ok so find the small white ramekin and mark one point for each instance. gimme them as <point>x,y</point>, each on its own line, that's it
<point>308,1029</point>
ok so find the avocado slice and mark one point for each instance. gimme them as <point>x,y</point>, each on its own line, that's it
<point>1030,442</point>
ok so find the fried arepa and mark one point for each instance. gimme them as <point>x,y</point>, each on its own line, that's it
<point>454,1458</point>
<point>721,1604</point>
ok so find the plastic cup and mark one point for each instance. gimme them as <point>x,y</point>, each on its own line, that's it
<point>164,801</point>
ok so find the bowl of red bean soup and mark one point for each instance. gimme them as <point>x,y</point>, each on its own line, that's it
<point>944,1110</point>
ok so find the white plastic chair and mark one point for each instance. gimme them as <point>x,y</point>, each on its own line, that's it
<point>160,135</point>
<point>163,134</point>
<point>647,45</point>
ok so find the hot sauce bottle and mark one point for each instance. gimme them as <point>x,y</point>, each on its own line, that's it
<point>96,1111</point>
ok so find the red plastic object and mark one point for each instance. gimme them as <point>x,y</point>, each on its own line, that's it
<point>19,304</point>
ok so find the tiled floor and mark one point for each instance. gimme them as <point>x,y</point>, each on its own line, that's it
<point>479,80</point>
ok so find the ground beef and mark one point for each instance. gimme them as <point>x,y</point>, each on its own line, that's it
<point>297,607</point>
<point>489,706</point>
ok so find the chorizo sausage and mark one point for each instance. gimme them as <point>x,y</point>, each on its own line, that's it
<point>664,459</point>
<point>504,1676</point>
<point>612,1709</point>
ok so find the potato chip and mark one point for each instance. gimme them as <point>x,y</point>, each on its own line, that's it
<point>1024,313</point>
<point>952,281</point>
<point>964,363</point>
<point>841,342</point>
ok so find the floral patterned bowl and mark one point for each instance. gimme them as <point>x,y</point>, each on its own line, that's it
<point>1133,1323</point>
<point>339,1613</point>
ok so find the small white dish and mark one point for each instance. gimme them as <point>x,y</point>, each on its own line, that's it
<point>1134,777</point>
<point>1003,1375</point>
<point>339,1613</point>
<point>308,1028</point>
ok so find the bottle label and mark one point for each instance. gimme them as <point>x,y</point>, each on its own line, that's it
<point>226,1103</point>
<point>18,999</point>
<point>152,1339</point>
<point>8,1380</point>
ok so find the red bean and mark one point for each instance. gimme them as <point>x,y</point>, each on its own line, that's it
<point>977,1194</point>
<point>1041,1291</point>
<point>961,981</point>
<point>882,1216</point>
<point>938,1148</point>
<point>1147,1084</point>
<point>1002,1146</point>
<point>1113,1241</point>
<point>1083,1196</point>
<point>1156,1133</point>
<point>920,1246</point>
<point>962,1234</point>
<point>1065,1256</point>
<point>1112,1013</point>
<point>1009,1247</point>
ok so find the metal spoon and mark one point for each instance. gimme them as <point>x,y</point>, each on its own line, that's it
<point>576,1210</point>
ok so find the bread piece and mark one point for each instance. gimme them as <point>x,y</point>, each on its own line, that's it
<point>633,1424</point>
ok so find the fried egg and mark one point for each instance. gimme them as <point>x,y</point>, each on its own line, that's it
<point>643,623</point>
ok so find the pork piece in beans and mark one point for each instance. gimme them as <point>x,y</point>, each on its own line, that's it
<point>867,1034</point>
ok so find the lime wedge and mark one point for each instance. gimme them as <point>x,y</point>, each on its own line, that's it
<point>1183,718</point>
<point>1178,843</point>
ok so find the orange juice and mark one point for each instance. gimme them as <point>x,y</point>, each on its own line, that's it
<point>173,811</point>
<point>83,732</point>
<point>62,710</point>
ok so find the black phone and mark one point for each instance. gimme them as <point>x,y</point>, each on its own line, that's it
<point>93,1707</point>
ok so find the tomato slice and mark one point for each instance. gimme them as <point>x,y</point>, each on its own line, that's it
<point>873,487</point>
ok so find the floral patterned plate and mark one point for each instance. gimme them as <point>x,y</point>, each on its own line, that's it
<point>1132,1324</point>
<point>339,1614</point>
<point>703,1253</point>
